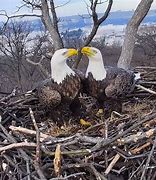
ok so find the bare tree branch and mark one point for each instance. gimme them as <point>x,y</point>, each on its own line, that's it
<point>61,5</point>
<point>96,23</point>
<point>15,16</point>
<point>45,72</point>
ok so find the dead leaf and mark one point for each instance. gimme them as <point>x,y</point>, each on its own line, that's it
<point>57,160</point>
<point>85,123</point>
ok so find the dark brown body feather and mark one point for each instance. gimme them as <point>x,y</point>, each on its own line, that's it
<point>118,83</point>
<point>51,93</point>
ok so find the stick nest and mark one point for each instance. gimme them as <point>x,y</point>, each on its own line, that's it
<point>33,145</point>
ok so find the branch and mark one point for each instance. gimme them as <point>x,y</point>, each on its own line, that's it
<point>17,145</point>
<point>37,160</point>
<point>29,132</point>
<point>105,143</point>
<point>96,23</point>
<point>15,16</point>
<point>45,72</point>
<point>13,93</point>
<point>137,137</point>
<point>69,176</point>
<point>148,160</point>
<point>61,5</point>
<point>32,4</point>
<point>113,162</point>
<point>145,89</point>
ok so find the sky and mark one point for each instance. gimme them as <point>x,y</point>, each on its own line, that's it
<point>74,7</point>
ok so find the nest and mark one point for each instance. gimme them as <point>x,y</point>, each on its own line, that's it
<point>120,147</point>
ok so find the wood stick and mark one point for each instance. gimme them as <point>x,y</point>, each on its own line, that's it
<point>28,131</point>
<point>113,162</point>
<point>138,149</point>
<point>37,160</point>
<point>145,67</point>
<point>148,160</point>
<point>17,145</point>
<point>136,137</point>
<point>145,89</point>
<point>105,143</point>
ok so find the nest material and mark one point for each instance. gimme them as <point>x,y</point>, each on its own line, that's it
<point>121,147</point>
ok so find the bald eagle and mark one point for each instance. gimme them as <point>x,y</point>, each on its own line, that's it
<point>106,83</point>
<point>63,86</point>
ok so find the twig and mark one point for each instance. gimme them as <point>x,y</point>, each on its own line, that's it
<point>82,152</point>
<point>104,143</point>
<point>106,137</point>
<point>145,67</point>
<point>145,89</point>
<point>93,127</point>
<point>38,154</point>
<point>136,170</point>
<point>77,136</point>
<point>37,136</point>
<point>136,137</point>
<point>17,145</point>
<point>69,176</point>
<point>138,149</point>
<point>29,132</point>
<point>13,93</point>
<point>148,160</point>
<point>147,82</point>
<point>28,170</point>
<point>12,140</point>
<point>113,162</point>
<point>98,175</point>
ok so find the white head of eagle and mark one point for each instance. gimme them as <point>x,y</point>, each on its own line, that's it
<point>95,65</point>
<point>59,67</point>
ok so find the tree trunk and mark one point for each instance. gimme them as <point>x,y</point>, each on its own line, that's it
<point>51,24</point>
<point>131,32</point>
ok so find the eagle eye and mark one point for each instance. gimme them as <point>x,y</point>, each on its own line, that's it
<point>64,53</point>
<point>94,51</point>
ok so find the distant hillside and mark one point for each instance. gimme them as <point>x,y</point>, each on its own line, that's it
<point>122,17</point>
<point>115,18</point>
<point>76,21</point>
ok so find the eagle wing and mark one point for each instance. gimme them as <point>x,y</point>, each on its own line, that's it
<point>52,93</point>
<point>123,83</point>
<point>49,97</point>
<point>70,87</point>
<point>47,93</point>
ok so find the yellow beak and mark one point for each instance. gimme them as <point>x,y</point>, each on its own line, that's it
<point>72,52</point>
<point>87,51</point>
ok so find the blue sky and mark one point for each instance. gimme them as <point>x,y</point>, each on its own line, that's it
<point>74,7</point>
